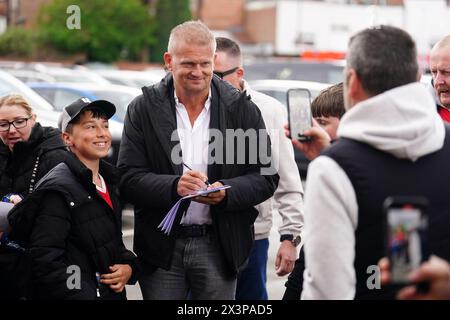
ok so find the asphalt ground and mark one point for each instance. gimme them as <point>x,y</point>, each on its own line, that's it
<point>275,284</point>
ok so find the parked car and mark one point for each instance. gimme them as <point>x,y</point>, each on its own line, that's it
<point>26,75</point>
<point>295,69</point>
<point>45,112</point>
<point>61,94</point>
<point>50,72</point>
<point>61,74</point>
<point>278,89</point>
<point>136,79</point>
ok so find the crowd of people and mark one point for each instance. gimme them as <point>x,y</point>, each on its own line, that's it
<point>378,134</point>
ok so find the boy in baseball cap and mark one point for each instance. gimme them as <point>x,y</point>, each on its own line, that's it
<point>77,215</point>
<point>71,112</point>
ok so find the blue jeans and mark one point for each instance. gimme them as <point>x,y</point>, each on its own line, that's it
<point>197,273</point>
<point>251,284</point>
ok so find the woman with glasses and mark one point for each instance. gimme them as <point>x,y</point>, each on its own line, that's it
<point>27,152</point>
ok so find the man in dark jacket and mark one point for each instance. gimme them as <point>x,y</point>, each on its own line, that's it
<point>186,119</point>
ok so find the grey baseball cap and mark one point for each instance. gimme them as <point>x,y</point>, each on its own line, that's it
<point>75,108</point>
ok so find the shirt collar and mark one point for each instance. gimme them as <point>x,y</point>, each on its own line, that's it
<point>245,86</point>
<point>207,102</point>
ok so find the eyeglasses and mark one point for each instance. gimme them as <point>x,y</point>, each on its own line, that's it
<point>18,124</point>
<point>225,73</point>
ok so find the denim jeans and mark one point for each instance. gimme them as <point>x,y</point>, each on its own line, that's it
<point>197,272</point>
<point>251,284</point>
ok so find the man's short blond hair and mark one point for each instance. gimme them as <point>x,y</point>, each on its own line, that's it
<point>444,42</point>
<point>191,32</point>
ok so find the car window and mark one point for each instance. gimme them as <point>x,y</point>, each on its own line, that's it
<point>71,78</point>
<point>63,98</point>
<point>47,93</point>
<point>130,82</point>
<point>116,81</point>
<point>120,99</point>
<point>10,84</point>
<point>139,83</point>
<point>279,95</point>
<point>6,88</point>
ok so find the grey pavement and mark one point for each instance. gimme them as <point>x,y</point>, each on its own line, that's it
<point>275,284</point>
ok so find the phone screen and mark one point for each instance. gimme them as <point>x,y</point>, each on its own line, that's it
<point>406,240</point>
<point>299,109</point>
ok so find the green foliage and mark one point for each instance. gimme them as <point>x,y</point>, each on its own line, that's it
<point>110,29</point>
<point>19,42</point>
<point>169,13</point>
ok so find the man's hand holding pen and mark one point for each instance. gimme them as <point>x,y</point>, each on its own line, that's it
<point>192,181</point>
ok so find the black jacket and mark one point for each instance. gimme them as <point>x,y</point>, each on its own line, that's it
<point>149,177</point>
<point>65,222</point>
<point>16,169</point>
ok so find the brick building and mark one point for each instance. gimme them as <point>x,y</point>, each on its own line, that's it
<point>21,12</point>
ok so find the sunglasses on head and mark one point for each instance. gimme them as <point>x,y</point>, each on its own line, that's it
<point>225,73</point>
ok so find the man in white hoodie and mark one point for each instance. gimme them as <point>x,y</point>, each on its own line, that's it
<point>391,142</point>
<point>251,284</point>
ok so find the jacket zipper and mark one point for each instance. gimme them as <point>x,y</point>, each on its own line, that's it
<point>97,276</point>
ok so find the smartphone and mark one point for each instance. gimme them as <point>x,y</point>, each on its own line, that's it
<point>299,112</point>
<point>406,235</point>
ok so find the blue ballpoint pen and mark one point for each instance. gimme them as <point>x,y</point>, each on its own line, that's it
<point>207,182</point>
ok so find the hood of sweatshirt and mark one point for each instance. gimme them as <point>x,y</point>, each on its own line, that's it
<point>402,121</point>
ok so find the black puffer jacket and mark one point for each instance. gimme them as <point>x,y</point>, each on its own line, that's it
<point>71,225</point>
<point>16,168</point>
<point>16,171</point>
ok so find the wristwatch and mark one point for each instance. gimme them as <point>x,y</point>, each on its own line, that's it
<point>295,241</point>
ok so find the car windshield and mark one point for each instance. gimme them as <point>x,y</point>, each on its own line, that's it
<point>6,88</point>
<point>120,99</point>
<point>9,86</point>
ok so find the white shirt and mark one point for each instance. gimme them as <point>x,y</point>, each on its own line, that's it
<point>194,141</point>
<point>102,188</point>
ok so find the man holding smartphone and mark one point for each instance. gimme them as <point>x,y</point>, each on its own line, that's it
<point>251,283</point>
<point>391,142</point>
<point>435,272</point>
